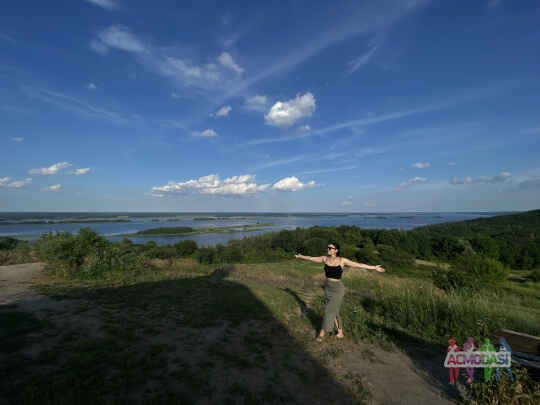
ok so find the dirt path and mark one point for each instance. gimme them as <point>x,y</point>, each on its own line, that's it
<point>392,377</point>
<point>15,281</point>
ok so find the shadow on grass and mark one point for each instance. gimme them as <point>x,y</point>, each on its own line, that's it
<point>314,317</point>
<point>200,340</point>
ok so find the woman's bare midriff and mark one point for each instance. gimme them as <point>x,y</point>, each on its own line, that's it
<point>332,279</point>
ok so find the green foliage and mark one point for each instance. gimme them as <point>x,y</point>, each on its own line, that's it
<point>315,246</point>
<point>7,243</point>
<point>471,272</point>
<point>206,255</point>
<point>366,256</point>
<point>185,248</point>
<point>167,230</point>
<point>535,275</point>
<point>392,256</point>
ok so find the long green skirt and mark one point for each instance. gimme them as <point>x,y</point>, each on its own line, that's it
<point>334,291</point>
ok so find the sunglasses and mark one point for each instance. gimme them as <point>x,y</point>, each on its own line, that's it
<point>330,247</point>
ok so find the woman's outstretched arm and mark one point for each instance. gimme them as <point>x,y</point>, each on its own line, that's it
<point>317,259</point>
<point>350,263</point>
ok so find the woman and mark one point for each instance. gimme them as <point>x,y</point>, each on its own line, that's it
<point>333,287</point>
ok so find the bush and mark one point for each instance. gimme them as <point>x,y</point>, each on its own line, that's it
<point>393,256</point>
<point>7,243</point>
<point>535,275</point>
<point>315,246</point>
<point>185,248</point>
<point>206,255</point>
<point>471,272</point>
<point>366,256</point>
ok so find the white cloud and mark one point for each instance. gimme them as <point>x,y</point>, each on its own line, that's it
<point>420,165</point>
<point>207,133</point>
<point>118,37</point>
<point>175,95</point>
<point>55,187</point>
<point>17,139</point>
<point>256,103</point>
<point>346,203</point>
<point>303,128</point>
<point>78,172</point>
<point>224,111</point>
<point>370,203</point>
<point>227,60</point>
<point>452,163</point>
<point>412,181</point>
<point>212,184</point>
<point>499,178</point>
<point>286,113</point>
<point>4,182</point>
<point>91,86</point>
<point>292,184</point>
<point>51,169</point>
<point>106,4</point>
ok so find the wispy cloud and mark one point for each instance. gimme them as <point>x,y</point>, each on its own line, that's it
<point>17,139</point>
<point>91,86</point>
<point>278,162</point>
<point>79,172</point>
<point>421,165</point>
<point>55,187</point>
<point>330,170</point>
<point>256,103</point>
<point>7,38</point>
<point>73,104</point>
<point>493,3</point>
<point>5,182</point>
<point>452,163</point>
<point>499,178</point>
<point>412,181</point>
<point>106,4</point>
<point>363,59</point>
<point>227,60</point>
<point>207,133</point>
<point>51,169</point>
<point>224,111</point>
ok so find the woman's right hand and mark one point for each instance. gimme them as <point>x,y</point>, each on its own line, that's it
<point>297,256</point>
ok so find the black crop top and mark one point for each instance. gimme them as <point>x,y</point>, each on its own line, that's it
<point>333,271</point>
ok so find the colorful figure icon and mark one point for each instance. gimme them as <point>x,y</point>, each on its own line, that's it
<point>504,347</point>
<point>488,347</point>
<point>469,347</point>
<point>454,371</point>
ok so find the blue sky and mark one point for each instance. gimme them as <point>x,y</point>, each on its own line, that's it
<point>362,106</point>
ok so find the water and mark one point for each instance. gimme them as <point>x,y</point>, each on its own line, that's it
<point>16,224</point>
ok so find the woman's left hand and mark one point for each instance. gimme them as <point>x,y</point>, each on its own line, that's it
<point>379,269</point>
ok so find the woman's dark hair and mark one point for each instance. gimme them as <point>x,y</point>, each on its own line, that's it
<point>336,245</point>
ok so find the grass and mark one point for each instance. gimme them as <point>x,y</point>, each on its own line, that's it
<point>185,333</point>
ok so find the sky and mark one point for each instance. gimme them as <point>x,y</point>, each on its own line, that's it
<point>342,106</point>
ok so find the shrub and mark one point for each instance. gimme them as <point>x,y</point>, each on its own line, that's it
<point>185,248</point>
<point>7,243</point>
<point>535,275</point>
<point>315,246</point>
<point>206,255</point>
<point>366,256</point>
<point>471,272</point>
<point>393,256</point>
